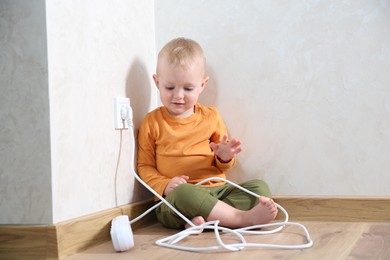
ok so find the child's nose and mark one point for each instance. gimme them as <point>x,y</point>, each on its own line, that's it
<point>179,93</point>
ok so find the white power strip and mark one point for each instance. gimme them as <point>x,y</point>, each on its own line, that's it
<point>121,233</point>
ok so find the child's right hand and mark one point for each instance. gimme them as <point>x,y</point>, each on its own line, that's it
<point>174,182</point>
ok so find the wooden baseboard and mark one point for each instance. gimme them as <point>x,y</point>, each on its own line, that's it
<point>341,209</point>
<point>66,238</point>
<point>27,242</point>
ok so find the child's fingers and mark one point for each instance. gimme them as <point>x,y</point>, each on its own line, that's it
<point>186,178</point>
<point>238,150</point>
<point>235,143</point>
<point>180,180</point>
<point>213,146</point>
<point>224,138</point>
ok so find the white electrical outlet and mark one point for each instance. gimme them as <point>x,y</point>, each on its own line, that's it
<point>121,108</point>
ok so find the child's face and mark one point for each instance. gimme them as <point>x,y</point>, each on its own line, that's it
<point>180,88</point>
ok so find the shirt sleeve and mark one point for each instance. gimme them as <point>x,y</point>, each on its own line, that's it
<point>220,131</point>
<point>224,166</point>
<point>147,168</point>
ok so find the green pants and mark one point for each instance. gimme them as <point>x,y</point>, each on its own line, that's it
<point>192,200</point>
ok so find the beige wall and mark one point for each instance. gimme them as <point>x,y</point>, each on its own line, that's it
<point>304,84</point>
<point>59,150</point>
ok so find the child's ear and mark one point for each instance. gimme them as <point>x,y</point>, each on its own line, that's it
<point>155,78</point>
<point>204,82</point>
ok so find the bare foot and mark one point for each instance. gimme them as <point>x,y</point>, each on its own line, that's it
<point>262,213</point>
<point>197,221</point>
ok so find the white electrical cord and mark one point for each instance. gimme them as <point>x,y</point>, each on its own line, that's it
<point>123,243</point>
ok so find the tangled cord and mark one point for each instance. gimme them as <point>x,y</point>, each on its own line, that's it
<point>171,241</point>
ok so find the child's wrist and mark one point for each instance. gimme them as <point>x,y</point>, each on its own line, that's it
<point>223,161</point>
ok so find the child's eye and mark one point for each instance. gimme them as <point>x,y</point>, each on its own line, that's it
<point>188,89</point>
<point>169,88</point>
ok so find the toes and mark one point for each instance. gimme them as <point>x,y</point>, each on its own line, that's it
<point>264,200</point>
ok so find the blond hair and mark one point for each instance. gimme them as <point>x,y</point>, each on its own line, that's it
<point>181,51</point>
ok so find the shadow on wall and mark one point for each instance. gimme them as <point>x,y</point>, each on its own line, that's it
<point>138,89</point>
<point>211,97</point>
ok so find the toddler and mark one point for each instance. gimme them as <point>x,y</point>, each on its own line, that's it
<point>183,142</point>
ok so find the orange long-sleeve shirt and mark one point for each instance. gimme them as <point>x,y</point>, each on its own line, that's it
<point>169,146</point>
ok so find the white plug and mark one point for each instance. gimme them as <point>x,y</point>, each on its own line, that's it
<point>122,115</point>
<point>124,112</point>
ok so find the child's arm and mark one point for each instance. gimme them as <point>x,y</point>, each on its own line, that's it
<point>146,161</point>
<point>227,149</point>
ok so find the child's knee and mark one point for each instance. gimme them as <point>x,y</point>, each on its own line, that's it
<point>261,183</point>
<point>260,187</point>
<point>265,190</point>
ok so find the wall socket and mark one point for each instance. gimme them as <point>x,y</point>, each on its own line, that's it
<point>121,104</point>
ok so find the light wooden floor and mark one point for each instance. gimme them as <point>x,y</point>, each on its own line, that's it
<point>332,240</point>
